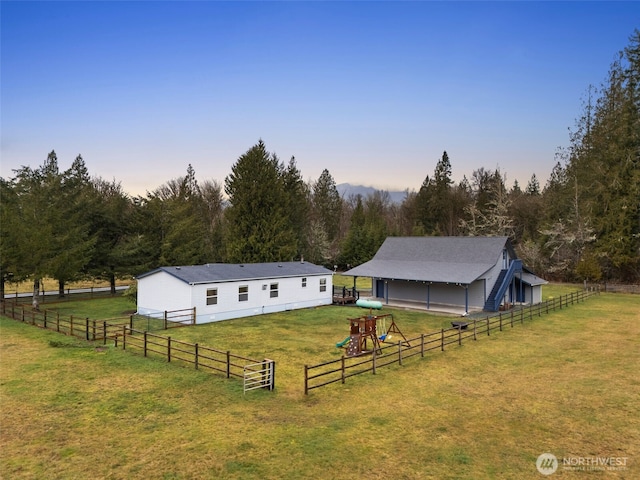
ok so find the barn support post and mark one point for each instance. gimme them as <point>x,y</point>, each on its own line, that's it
<point>466,299</point>
<point>522,299</point>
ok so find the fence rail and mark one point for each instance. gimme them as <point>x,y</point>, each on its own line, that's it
<point>120,330</point>
<point>70,294</point>
<point>177,351</point>
<point>334,371</point>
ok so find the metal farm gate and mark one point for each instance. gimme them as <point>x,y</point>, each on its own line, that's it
<point>260,375</point>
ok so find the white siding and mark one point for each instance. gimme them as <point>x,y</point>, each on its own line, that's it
<point>160,291</point>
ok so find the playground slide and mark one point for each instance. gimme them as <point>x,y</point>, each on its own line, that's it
<point>343,343</point>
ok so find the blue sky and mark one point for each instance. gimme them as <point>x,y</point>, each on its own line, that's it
<point>372,91</point>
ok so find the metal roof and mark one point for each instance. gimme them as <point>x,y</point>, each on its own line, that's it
<point>435,259</point>
<point>533,280</point>
<point>233,272</point>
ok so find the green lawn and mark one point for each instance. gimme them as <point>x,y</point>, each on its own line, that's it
<point>564,383</point>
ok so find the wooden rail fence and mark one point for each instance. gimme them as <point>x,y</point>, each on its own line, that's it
<point>334,371</point>
<point>124,336</point>
<point>198,356</point>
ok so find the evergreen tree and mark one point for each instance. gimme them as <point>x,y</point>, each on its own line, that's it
<point>73,242</point>
<point>355,249</point>
<point>213,205</point>
<point>120,248</point>
<point>180,211</point>
<point>441,206</point>
<point>327,206</point>
<point>298,204</point>
<point>604,169</point>
<point>533,187</point>
<point>425,224</point>
<point>9,243</point>
<point>258,227</point>
<point>33,218</point>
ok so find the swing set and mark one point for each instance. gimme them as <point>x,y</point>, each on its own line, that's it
<point>370,329</point>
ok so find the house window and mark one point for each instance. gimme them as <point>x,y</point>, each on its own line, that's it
<point>243,293</point>
<point>323,284</point>
<point>212,296</point>
<point>273,290</point>
<point>304,282</point>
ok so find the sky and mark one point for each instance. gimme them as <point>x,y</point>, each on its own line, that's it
<point>374,92</point>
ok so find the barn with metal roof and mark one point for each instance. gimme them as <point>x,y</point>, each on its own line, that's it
<point>459,274</point>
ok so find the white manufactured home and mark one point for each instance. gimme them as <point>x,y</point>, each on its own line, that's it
<point>461,274</point>
<point>221,291</point>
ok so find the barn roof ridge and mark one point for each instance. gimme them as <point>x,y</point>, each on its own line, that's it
<point>435,259</point>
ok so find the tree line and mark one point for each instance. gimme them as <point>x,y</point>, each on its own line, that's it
<point>583,224</point>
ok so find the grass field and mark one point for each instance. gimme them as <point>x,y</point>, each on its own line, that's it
<point>565,383</point>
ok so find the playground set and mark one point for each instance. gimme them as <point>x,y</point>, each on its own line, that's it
<point>369,329</point>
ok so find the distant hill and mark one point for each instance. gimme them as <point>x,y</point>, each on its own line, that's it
<point>346,189</point>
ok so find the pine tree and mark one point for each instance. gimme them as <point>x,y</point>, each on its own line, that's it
<point>327,206</point>
<point>258,226</point>
<point>33,218</point>
<point>604,167</point>
<point>355,249</point>
<point>298,204</point>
